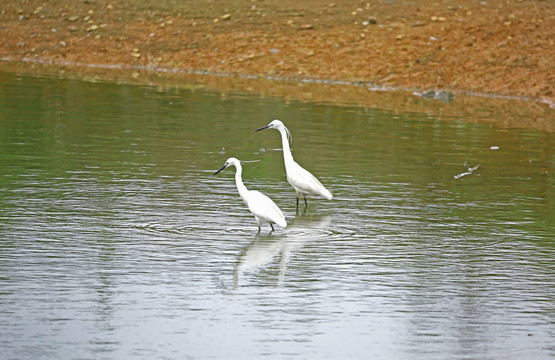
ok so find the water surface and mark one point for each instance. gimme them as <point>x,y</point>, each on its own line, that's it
<point>117,241</point>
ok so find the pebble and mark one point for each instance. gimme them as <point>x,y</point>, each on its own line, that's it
<point>92,28</point>
<point>225,17</point>
<point>306,27</point>
<point>73,18</point>
<point>418,24</point>
<point>248,57</point>
<point>438,18</point>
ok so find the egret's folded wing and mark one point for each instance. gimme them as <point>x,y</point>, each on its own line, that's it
<point>306,182</point>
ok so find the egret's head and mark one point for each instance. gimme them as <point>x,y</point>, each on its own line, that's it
<point>229,162</point>
<point>275,124</point>
<point>278,125</point>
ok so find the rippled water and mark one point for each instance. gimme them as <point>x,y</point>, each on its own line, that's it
<point>117,241</point>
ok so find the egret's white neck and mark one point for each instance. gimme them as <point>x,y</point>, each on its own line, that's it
<point>287,156</point>
<point>239,181</point>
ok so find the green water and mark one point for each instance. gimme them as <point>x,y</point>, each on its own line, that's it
<point>117,241</point>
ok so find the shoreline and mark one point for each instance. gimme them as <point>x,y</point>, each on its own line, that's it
<point>372,87</point>
<point>500,111</point>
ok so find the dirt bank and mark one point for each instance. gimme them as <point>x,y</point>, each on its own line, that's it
<point>492,46</point>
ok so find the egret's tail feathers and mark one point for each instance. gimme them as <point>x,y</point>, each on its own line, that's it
<point>282,222</point>
<point>326,194</point>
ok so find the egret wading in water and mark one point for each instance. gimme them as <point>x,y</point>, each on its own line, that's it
<point>302,181</point>
<point>261,206</point>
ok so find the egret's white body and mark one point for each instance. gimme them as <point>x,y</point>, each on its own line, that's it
<point>261,206</point>
<point>302,181</point>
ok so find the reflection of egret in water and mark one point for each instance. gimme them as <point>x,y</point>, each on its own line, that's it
<point>258,254</point>
<point>315,224</point>
<point>262,252</point>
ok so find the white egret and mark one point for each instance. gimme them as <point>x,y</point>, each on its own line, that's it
<point>261,206</point>
<point>302,181</point>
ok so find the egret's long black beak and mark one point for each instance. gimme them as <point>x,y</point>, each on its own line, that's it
<point>262,128</point>
<point>223,167</point>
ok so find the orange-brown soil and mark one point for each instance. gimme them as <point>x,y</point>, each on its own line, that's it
<point>491,47</point>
